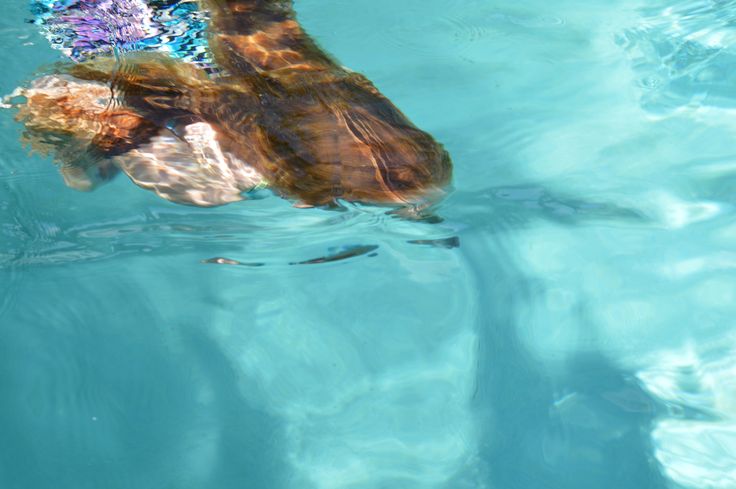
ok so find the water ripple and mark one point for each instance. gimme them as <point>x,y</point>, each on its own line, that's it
<point>696,441</point>
<point>240,235</point>
<point>684,54</point>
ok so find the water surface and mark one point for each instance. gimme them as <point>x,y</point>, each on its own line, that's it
<point>581,335</point>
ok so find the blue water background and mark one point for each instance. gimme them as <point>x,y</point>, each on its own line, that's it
<point>582,335</point>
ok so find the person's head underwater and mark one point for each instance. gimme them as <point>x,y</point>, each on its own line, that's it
<point>277,111</point>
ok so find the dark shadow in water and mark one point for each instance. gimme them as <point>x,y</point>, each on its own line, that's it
<point>588,428</point>
<point>519,206</point>
<point>447,243</point>
<point>249,451</point>
<point>341,253</point>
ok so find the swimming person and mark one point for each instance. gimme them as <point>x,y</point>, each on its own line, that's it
<point>275,111</point>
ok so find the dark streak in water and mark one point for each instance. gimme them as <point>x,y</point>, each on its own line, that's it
<point>447,243</point>
<point>348,252</point>
<point>227,261</point>
<point>343,254</point>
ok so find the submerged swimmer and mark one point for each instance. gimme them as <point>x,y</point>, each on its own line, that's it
<point>279,113</point>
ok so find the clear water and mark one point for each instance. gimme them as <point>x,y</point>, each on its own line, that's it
<point>582,334</point>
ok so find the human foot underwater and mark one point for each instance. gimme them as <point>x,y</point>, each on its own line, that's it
<point>275,111</point>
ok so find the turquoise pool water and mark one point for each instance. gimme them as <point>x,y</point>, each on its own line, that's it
<point>582,334</point>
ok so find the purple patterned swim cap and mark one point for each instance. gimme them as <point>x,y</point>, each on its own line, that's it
<point>83,29</point>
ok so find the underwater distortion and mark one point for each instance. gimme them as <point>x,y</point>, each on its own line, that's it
<point>202,102</point>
